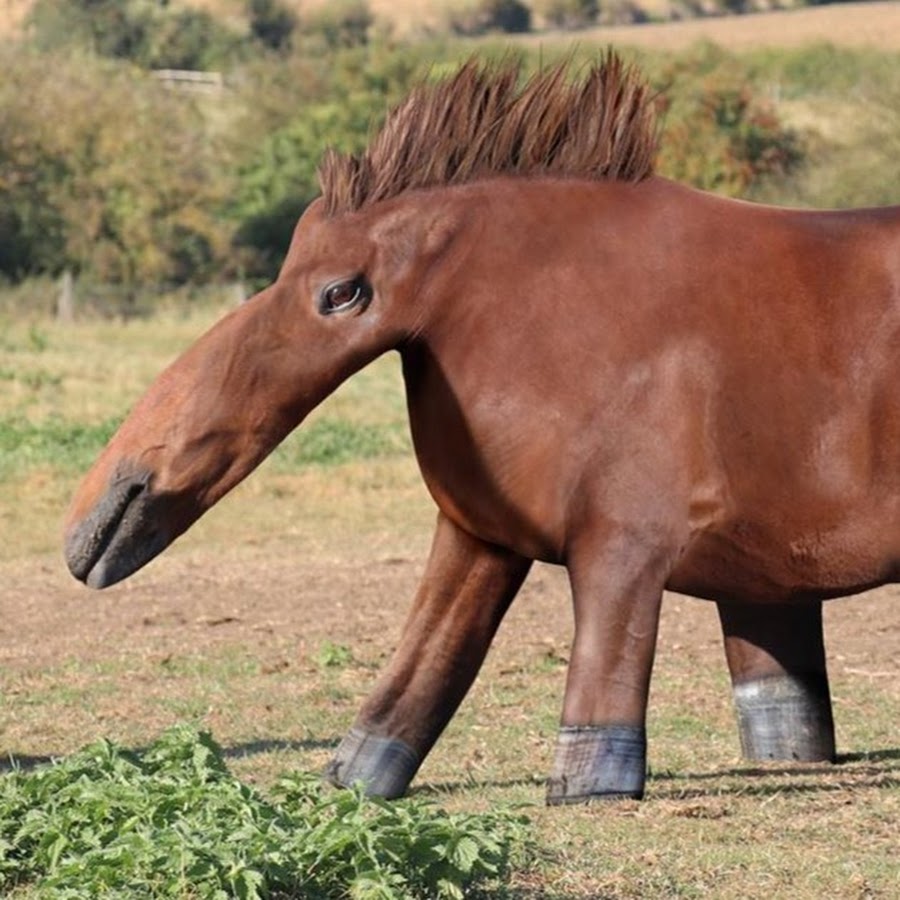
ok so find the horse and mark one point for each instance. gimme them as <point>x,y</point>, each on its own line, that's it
<point>650,385</point>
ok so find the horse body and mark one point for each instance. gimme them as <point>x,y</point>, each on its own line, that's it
<point>739,402</point>
<point>650,385</point>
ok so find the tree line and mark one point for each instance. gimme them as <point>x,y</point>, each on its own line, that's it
<point>111,174</point>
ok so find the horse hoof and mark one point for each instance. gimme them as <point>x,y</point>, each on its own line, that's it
<point>384,766</point>
<point>598,762</point>
<point>785,718</point>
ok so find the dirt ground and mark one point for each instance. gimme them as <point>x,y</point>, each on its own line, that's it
<point>272,640</point>
<point>281,607</point>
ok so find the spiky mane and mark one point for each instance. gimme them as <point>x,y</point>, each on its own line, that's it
<point>478,123</point>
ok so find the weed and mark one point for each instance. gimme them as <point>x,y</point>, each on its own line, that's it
<point>37,339</point>
<point>171,821</point>
<point>334,656</point>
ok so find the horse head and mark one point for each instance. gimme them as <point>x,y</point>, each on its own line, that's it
<point>349,290</point>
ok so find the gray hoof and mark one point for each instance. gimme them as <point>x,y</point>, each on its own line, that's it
<point>785,718</point>
<point>385,766</point>
<point>598,762</point>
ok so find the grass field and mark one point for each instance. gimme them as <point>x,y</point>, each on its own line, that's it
<point>855,24</point>
<point>268,622</point>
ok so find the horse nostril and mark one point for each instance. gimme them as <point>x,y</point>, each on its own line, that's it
<point>88,539</point>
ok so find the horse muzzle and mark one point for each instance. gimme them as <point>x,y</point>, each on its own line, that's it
<point>121,532</point>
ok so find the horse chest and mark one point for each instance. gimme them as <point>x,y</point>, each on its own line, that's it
<point>493,478</point>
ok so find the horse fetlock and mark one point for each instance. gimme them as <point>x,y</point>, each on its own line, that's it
<point>598,762</point>
<point>385,766</point>
<point>785,717</point>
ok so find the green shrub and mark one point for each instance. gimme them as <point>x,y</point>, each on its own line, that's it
<point>105,27</point>
<point>720,133</point>
<point>271,23</point>
<point>104,189</point>
<point>474,17</point>
<point>568,14</point>
<point>509,16</point>
<point>189,39</point>
<point>341,23</point>
<point>171,821</point>
<point>146,32</point>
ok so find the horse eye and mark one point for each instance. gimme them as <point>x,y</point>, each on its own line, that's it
<point>343,296</point>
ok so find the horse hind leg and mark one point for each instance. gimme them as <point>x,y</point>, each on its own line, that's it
<point>776,656</point>
<point>467,587</point>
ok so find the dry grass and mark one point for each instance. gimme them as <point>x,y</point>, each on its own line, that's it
<point>231,629</point>
<point>874,25</point>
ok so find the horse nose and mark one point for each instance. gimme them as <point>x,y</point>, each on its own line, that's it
<point>97,545</point>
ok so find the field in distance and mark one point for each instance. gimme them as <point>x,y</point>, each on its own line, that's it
<point>875,24</point>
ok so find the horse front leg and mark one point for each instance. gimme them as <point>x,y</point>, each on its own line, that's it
<point>467,587</point>
<point>776,655</point>
<point>601,749</point>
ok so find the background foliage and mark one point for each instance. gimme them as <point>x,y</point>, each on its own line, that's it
<point>110,172</point>
<point>104,171</point>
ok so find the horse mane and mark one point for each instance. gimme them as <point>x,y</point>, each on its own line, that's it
<point>478,123</point>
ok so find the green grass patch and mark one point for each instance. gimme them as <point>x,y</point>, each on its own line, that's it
<point>172,821</point>
<point>329,441</point>
<point>54,442</point>
<point>74,445</point>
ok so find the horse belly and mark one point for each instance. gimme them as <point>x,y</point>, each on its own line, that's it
<point>749,560</point>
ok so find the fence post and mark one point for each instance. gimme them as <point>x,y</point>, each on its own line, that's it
<point>65,299</point>
<point>238,293</point>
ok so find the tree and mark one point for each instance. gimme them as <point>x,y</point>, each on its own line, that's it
<point>568,14</point>
<point>147,32</point>
<point>473,17</point>
<point>124,187</point>
<point>271,23</point>
<point>342,23</point>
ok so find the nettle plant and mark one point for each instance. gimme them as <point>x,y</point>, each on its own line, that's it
<point>172,821</point>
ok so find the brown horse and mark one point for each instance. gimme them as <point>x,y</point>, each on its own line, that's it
<point>652,386</point>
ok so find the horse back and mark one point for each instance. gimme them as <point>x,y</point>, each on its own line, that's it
<point>800,317</point>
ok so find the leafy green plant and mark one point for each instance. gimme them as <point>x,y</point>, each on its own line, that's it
<point>146,32</point>
<point>334,656</point>
<point>720,132</point>
<point>38,339</point>
<point>172,821</point>
<point>100,193</point>
<point>271,23</point>
<point>341,23</point>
